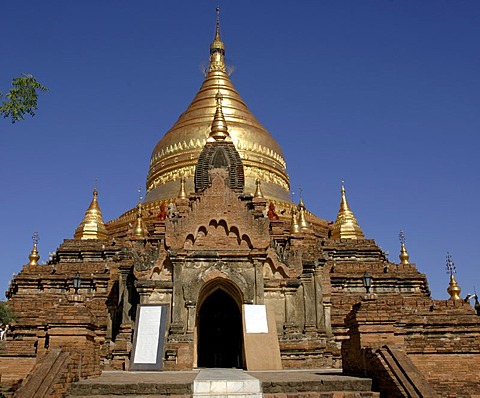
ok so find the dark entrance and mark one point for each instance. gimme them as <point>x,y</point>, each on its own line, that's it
<point>220,332</point>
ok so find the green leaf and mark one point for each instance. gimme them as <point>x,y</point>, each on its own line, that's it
<point>6,314</point>
<point>22,98</point>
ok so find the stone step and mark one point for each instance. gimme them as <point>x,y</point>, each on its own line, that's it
<point>119,383</point>
<point>312,383</point>
<point>331,394</point>
<point>226,383</point>
<point>133,396</point>
<point>302,381</point>
<point>311,394</point>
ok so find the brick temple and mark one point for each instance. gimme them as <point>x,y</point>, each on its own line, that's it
<point>217,235</point>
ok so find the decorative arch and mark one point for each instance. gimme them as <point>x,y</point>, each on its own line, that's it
<point>201,231</point>
<point>246,239</point>
<point>162,271</point>
<point>223,283</point>
<point>218,272</point>
<point>217,231</point>
<point>234,230</point>
<point>189,241</point>
<point>270,271</point>
<point>218,227</point>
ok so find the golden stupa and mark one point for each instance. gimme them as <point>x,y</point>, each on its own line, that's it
<point>346,225</point>
<point>92,225</point>
<point>176,154</point>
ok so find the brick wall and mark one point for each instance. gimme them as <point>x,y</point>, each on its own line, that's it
<point>440,338</point>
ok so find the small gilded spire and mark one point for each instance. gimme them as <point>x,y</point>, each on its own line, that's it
<point>92,225</point>
<point>217,49</point>
<point>404,256</point>
<point>295,226</point>
<point>182,194</point>
<point>219,130</point>
<point>346,225</point>
<point>304,224</point>
<point>453,288</point>
<point>139,230</point>
<point>34,256</point>
<point>258,189</point>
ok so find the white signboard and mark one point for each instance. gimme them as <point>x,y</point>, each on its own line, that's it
<point>149,336</point>
<point>255,318</point>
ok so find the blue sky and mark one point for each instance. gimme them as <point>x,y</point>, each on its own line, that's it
<point>382,94</point>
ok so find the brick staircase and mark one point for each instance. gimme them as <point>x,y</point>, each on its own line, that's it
<point>225,383</point>
<point>48,373</point>
<point>403,373</point>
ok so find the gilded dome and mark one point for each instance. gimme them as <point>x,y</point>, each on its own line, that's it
<point>176,154</point>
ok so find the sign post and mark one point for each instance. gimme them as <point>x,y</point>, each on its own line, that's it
<point>262,350</point>
<point>149,337</point>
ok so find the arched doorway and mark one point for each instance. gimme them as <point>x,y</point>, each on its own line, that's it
<point>219,331</point>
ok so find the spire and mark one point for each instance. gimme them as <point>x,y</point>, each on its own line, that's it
<point>139,228</point>
<point>302,221</point>
<point>217,49</point>
<point>295,226</point>
<point>346,225</point>
<point>219,129</point>
<point>92,225</point>
<point>258,189</point>
<point>34,256</point>
<point>180,148</point>
<point>304,224</point>
<point>182,194</point>
<point>453,288</point>
<point>404,256</point>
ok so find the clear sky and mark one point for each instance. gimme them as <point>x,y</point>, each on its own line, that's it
<point>383,94</point>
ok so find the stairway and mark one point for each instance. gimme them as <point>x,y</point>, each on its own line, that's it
<point>47,372</point>
<point>223,383</point>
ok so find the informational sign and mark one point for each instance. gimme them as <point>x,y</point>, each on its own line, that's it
<point>262,350</point>
<point>148,338</point>
<point>255,319</point>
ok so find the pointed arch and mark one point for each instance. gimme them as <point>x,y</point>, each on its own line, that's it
<point>219,339</point>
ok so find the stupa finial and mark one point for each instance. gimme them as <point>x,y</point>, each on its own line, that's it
<point>344,204</point>
<point>92,225</point>
<point>219,129</point>
<point>182,194</point>
<point>258,189</point>
<point>302,220</point>
<point>300,201</point>
<point>453,288</point>
<point>139,228</point>
<point>295,226</point>
<point>346,225</point>
<point>34,256</point>
<point>217,49</point>
<point>404,256</point>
